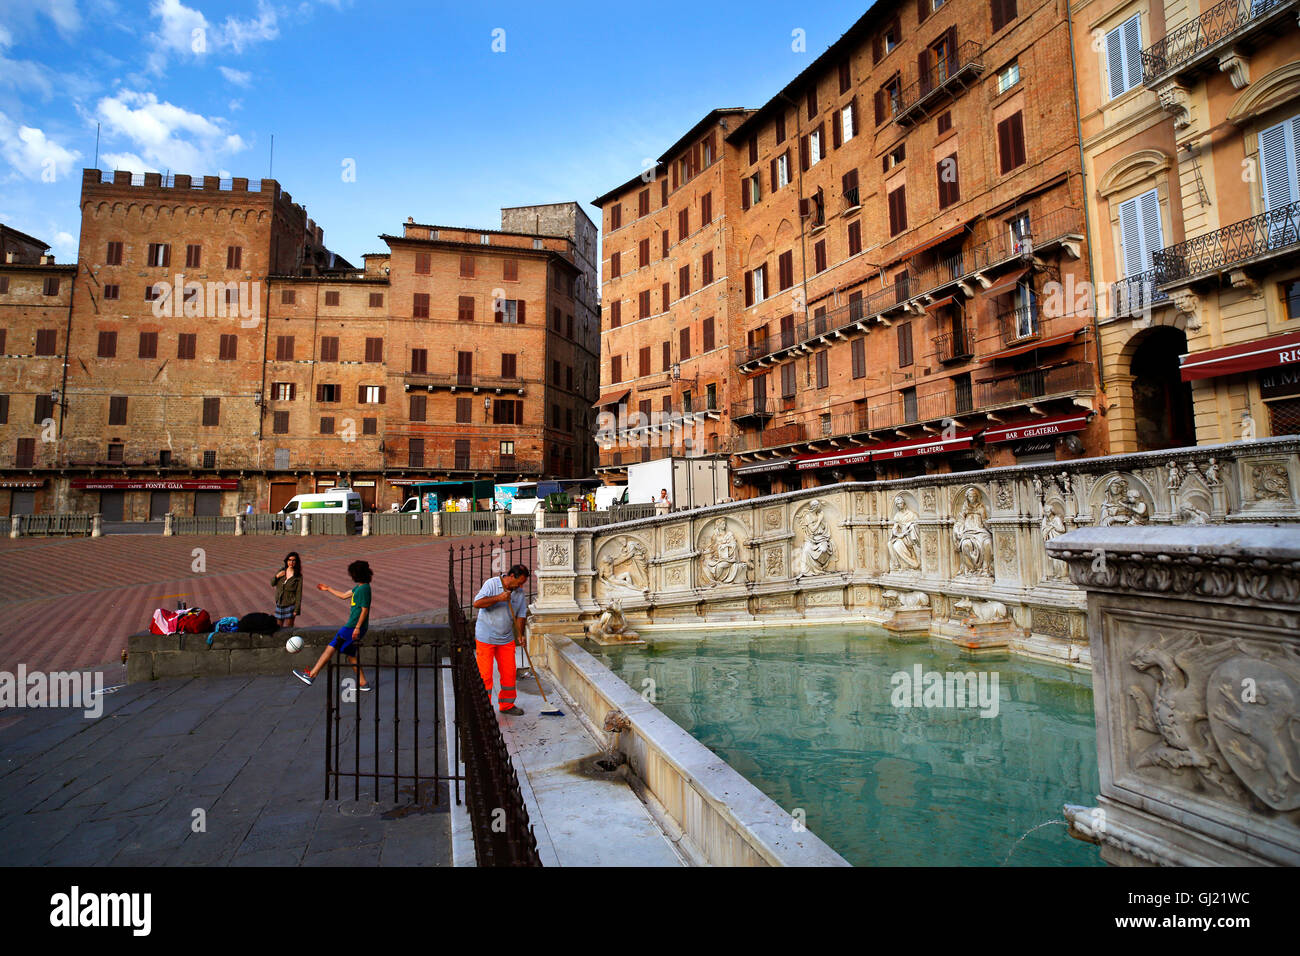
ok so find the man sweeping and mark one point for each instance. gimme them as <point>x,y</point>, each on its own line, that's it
<point>502,607</point>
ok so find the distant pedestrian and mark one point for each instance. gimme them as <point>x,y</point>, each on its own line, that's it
<point>288,590</point>
<point>503,608</point>
<point>351,633</point>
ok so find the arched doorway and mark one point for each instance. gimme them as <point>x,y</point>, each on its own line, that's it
<point>1162,401</point>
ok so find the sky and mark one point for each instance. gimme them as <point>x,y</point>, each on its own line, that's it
<point>445,112</point>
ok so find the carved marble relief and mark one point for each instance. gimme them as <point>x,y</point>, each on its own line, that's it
<point>1120,506</point>
<point>772,519</point>
<point>557,556</point>
<point>1003,493</point>
<point>1271,481</point>
<point>971,537</point>
<point>675,538</point>
<point>623,565</point>
<point>721,560</point>
<point>815,554</point>
<point>928,500</point>
<point>904,548</point>
<point>773,564</point>
<point>1052,525</point>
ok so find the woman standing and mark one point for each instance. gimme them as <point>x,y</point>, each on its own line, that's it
<point>288,590</point>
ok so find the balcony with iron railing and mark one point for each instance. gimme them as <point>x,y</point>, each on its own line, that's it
<point>851,199</point>
<point>753,410</point>
<point>942,82</point>
<point>1018,326</point>
<point>473,382</point>
<point>1136,295</point>
<point>1259,239</point>
<point>1198,44</point>
<point>957,345</point>
<point>1037,385</point>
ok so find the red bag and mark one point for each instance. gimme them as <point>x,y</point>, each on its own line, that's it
<point>164,622</point>
<point>193,620</point>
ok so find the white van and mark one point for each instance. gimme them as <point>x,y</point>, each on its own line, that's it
<point>607,495</point>
<point>343,501</point>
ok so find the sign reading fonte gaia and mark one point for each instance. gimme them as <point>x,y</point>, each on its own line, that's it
<point>161,484</point>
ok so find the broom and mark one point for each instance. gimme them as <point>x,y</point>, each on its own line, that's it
<point>549,710</point>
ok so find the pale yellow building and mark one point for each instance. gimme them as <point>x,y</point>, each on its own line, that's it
<point>1190,130</point>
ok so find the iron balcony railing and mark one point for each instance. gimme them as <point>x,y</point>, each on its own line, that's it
<point>954,346</point>
<point>961,64</point>
<point>1134,295</point>
<point>1037,384</point>
<point>753,408</point>
<point>851,198</point>
<point>1019,325</point>
<point>418,380</point>
<point>1269,232</point>
<point>1215,25</point>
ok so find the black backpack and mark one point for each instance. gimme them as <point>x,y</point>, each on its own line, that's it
<point>258,623</point>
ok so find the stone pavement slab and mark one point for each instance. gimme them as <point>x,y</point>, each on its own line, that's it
<point>124,788</point>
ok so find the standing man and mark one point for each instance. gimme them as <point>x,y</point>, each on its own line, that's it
<point>503,607</point>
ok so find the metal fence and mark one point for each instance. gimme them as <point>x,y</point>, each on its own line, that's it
<point>473,564</point>
<point>203,524</point>
<point>593,519</point>
<point>457,524</point>
<point>67,523</point>
<point>520,524</point>
<point>257,524</point>
<point>392,522</point>
<point>631,512</point>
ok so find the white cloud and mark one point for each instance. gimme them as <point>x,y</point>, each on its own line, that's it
<point>65,15</point>
<point>32,154</point>
<point>163,136</point>
<point>235,106</point>
<point>237,77</point>
<point>6,38</point>
<point>64,245</point>
<point>184,32</point>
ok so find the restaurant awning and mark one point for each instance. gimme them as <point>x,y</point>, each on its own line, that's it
<point>1006,283</point>
<point>1047,343</point>
<point>762,467</point>
<point>1038,428</point>
<point>157,484</point>
<point>834,459</point>
<point>924,446</point>
<point>612,398</point>
<point>1246,357</point>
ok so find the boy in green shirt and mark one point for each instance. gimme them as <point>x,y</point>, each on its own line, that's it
<point>345,641</point>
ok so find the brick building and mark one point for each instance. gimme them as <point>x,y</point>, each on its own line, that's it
<point>666,369</point>
<point>903,237</point>
<point>1191,126</point>
<point>208,352</point>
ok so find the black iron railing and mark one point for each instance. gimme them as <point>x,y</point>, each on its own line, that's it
<point>1271,231</point>
<point>1037,384</point>
<point>1187,41</point>
<point>954,346</point>
<point>1019,325</point>
<point>753,408</point>
<point>1137,294</point>
<point>964,61</point>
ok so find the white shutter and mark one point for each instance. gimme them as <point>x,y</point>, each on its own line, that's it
<point>1279,154</point>
<point>1152,234</point>
<point>1115,62</point>
<point>1130,230</point>
<point>1132,52</point>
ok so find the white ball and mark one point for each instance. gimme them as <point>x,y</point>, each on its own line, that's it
<point>293,645</point>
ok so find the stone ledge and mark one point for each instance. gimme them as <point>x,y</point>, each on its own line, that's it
<point>236,653</point>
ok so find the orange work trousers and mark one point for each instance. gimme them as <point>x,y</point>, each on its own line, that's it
<point>505,658</point>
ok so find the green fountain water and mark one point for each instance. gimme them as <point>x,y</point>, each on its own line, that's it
<point>811,717</point>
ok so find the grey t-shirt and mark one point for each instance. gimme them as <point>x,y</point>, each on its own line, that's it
<point>494,625</point>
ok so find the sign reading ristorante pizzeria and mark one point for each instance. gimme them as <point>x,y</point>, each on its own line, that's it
<point>158,484</point>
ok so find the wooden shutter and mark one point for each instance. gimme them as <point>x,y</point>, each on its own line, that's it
<point>823,369</point>
<point>744,196</point>
<point>904,344</point>
<point>519,311</point>
<point>707,335</point>
<point>803,153</point>
<point>684,343</point>
<point>836,131</point>
<point>922,10</point>
<point>774,182</point>
<point>877,46</point>
<point>880,107</point>
<point>749,289</point>
<point>1017,136</point>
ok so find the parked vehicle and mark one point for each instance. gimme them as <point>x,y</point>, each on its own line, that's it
<point>607,495</point>
<point>342,501</point>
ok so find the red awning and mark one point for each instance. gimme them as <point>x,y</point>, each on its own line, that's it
<point>1046,343</point>
<point>159,484</point>
<point>758,468</point>
<point>833,459</point>
<point>923,446</point>
<point>946,300</point>
<point>612,398</point>
<point>1247,357</point>
<point>1006,283</point>
<point>1039,428</point>
<point>22,483</point>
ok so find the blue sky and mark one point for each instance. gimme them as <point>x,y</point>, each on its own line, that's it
<point>437,124</point>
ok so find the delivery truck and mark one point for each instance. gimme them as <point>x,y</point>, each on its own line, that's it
<point>690,482</point>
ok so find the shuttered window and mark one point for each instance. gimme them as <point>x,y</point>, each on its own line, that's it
<point>148,345</point>
<point>1279,153</point>
<point>284,348</point>
<point>117,410</point>
<point>819,256</point>
<point>643,252</point>
<point>329,348</point>
<point>898,209</point>
<point>904,344</point>
<point>615,267</point>
<point>419,361</point>
<point>706,269</point>
<point>420,305</point>
<point>645,361</point>
<point>683,282</point>
<point>706,335</point>
<point>108,344</point>
<point>615,314</point>
<point>785,271</point>
<point>706,209</point>
<point>1004,11</point>
<point>823,368</point>
<point>280,423</point>
<point>859,350</point>
<point>788,380</point>
<point>1124,56</point>
<point>465,308</point>
<point>186,345</point>
<point>1011,142</point>
<point>855,237</point>
<point>643,303</point>
<point>1140,232</point>
<point>374,349</point>
<point>46,341</point>
<point>684,344</point>
<point>212,411</point>
<point>946,171</point>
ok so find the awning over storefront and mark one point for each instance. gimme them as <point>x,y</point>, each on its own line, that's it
<point>1006,283</point>
<point>612,398</point>
<point>1038,428</point>
<point>833,459</point>
<point>157,484</point>
<point>1247,357</point>
<point>923,446</point>
<point>1046,343</point>
<point>762,467</point>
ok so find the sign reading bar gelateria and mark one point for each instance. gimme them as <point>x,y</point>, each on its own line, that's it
<point>160,484</point>
<point>1037,429</point>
